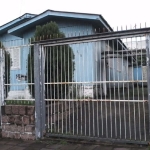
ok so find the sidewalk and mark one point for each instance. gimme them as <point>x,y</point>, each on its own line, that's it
<point>50,144</point>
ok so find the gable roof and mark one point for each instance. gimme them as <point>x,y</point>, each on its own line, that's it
<point>4,28</point>
<point>57,14</point>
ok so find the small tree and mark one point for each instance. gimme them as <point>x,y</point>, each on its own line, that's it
<point>59,65</point>
<point>7,69</point>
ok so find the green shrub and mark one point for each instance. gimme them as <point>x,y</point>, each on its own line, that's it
<point>7,69</point>
<point>59,64</point>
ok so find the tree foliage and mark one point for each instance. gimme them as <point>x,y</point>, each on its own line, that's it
<point>59,64</point>
<point>7,69</point>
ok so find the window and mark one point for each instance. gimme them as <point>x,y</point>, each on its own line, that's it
<point>15,57</point>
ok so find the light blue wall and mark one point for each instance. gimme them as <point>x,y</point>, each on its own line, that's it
<point>137,72</point>
<point>119,72</point>
<point>83,52</point>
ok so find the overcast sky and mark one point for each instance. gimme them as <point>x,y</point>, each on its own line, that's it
<point>116,12</point>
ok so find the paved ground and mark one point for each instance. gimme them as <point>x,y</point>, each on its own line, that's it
<point>8,144</point>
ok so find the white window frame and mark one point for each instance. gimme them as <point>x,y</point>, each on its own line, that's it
<point>10,50</point>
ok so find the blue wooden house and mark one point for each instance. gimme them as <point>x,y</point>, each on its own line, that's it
<point>15,36</point>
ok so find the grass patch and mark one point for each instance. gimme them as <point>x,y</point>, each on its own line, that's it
<point>19,102</point>
<point>63,142</point>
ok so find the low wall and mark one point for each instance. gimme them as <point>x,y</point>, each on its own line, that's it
<point>18,122</point>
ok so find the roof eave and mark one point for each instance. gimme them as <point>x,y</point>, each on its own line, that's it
<point>54,13</point>
<point>9,25</point>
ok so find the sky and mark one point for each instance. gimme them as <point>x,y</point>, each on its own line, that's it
<point>117,12</point>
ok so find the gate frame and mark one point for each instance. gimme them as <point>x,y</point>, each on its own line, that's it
<point>39,75</point>
<point>2,73</point>
<point>39,92</point>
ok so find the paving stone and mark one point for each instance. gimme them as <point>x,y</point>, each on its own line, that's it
<point>87,147</point>
<point>25,143</point>
<point>54,146</point>
<point>2,141</point>
<point>16,148</point>
<point>37,145</point>
<point>47,149</point>
<point>69,147</point>
<point>103,148</point>
<point>121,148</point>
<point>142,148</point>
<point>32,148</point>
<point>6,147</point>
<point>13,142</point>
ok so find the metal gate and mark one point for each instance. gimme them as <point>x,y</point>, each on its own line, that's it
<point>94,86</point>
<point>2,64</point>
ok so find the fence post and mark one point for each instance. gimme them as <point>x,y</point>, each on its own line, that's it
<point>2,71</point>
<point>39,91</point>
<point>148,72</point>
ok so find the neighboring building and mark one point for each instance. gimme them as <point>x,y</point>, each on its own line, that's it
<point>16,34</point>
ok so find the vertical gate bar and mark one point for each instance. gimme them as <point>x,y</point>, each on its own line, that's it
<point>89,110</point>
<point>105,90</point>
<point>73,90</point>
<point>123,76</point>
<point>97,94</point>
<point>76,89</point>
<point>50,76</point>
<point>118,74</point>
<point>124,66</point>
<point>47,51</point>
<point>128,86</point>
<point>139,118</point>
<point>62,109</point>
<point>110,84</point>
<point>143,91</point>
<point>43,114</point>
<point>101,92</point>
<point>83,91</point>
<point>65,87</point>
<point>133,94</point>
<point>93,78</point>
<point>58,96</point>
<point>148,71</point>
<point>54,106</point>
<point>2,60</point>
<point>129,102</point>
<point>114,84</point>
<point>69,86</point>
<point>39,100</point>
<point>81,102</point>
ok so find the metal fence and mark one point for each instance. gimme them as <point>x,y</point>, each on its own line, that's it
<point>95,86</point>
